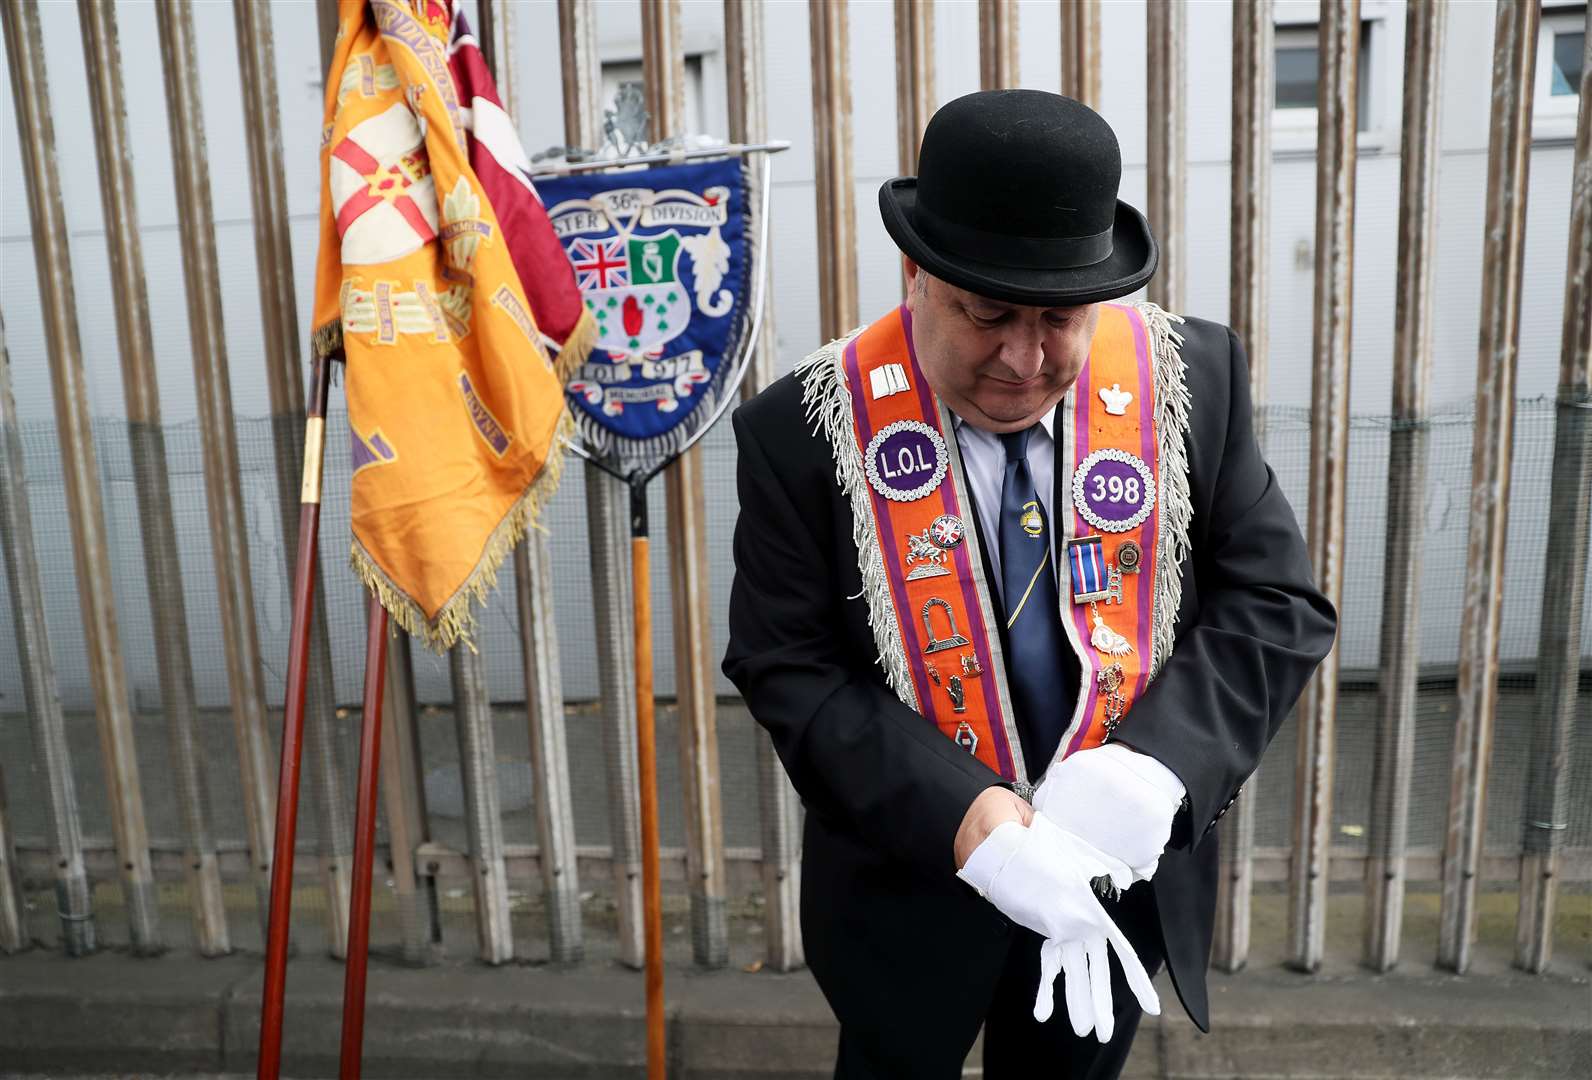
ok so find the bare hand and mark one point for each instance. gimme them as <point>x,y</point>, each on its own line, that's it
<point>993,806</point>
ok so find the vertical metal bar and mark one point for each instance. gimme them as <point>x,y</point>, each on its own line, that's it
<point>1080,51</point>
<point>228,525</point>
<point>74,430</point>
<point>1564,581</point>
<point>1167,93</point>
<point>1337,90</point>
<point>1406,491</point>
<point>998,56</point>
<point>13,934</point>
<point>696,710</point>
<point>663,68</point>
<point>351,1054</point>
<point>325,29</point>
<point>497,49</point>
<point>1508,160</point>
<point>1254,85</point>
<point>607,518</point>
<point>607,523</point>
<point>837,214</point>
<point>1508,156</point>
<point>73,901</point>
<point>483,818</point>
<point>544,709</point>
<point>147,441</point>
<point>582,73</point>
<point>273,255</point>
<point>544,689</point>
<point>1253,80</point>
<point>404,803</point>
<point>914,30</point>
<point>663,72</point>
<point>779,807</point>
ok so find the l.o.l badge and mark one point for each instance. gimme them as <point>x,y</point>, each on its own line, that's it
<point>906,460</point>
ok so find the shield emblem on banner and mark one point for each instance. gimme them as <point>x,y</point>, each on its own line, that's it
<point>664,263</point>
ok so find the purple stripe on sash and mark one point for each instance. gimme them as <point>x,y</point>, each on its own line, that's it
<point>881,516</point>
<point>964,568</point>
<point>1144,639</point>
<point>1082,396</point>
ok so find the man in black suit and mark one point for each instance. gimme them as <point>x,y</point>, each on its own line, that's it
<point>1013,237</point>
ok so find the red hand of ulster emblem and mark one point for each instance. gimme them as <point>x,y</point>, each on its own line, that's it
<point>632,316</point>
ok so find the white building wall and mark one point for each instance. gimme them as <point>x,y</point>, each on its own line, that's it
<point>1462,185</point>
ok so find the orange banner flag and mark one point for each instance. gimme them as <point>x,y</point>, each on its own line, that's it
<point>457,415</point>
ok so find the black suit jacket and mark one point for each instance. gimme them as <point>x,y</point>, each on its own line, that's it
<point>886,924</point>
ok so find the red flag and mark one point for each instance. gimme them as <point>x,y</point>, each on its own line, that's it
<point>500,163</point>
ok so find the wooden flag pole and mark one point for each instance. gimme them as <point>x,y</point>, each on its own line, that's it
<point>641,603</point>
<point>287,788</point>
<point>647,767</point>
<point>364,844</point>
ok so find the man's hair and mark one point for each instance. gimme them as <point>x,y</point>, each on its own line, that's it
<point>920,284</point>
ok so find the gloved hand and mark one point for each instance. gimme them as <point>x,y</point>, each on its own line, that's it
<point>1039,876</point>
<point>1117,800</point>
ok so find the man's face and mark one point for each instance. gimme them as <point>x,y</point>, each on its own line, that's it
<point>999,366</point>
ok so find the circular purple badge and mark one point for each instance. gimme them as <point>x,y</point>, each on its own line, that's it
<point>906,460</point>
<point>1113,490</point>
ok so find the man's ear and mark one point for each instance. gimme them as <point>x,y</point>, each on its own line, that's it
<point>910,270</point>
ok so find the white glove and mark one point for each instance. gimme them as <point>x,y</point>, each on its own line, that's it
<point>1116,799</point>
<point>1039,876</point>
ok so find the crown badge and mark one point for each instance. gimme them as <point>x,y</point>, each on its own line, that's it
<point>1116,399</point>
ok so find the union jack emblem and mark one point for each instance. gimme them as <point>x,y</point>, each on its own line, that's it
<point>599,264</point>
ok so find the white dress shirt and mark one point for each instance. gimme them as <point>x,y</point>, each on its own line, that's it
<point>984,461</point>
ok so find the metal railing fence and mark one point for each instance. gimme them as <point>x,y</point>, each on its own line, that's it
<point>1432,761</point>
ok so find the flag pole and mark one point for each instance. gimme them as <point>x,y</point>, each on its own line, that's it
<point>641,604</point>
<point>364,844</point>
<point>647,767</point>
<point>287,788</point>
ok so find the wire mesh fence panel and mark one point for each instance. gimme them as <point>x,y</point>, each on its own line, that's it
<point>1446,520</point>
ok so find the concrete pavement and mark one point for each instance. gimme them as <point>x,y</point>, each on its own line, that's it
<point>180,1014</point>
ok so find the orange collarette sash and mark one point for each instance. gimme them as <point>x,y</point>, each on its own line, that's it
<point>1120,441</point>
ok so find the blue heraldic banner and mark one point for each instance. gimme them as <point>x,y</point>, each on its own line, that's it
<point>663,260</point>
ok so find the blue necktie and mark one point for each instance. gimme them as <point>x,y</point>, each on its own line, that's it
<point>1035,650</point>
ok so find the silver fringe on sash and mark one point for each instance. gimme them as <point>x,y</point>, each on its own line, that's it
<point>828,403</point>
<point>1171,436</point>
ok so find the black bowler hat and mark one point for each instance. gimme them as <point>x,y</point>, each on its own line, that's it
<point>1016,199</point>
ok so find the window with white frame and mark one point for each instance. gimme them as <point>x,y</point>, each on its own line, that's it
<point>1561,52</point>
<point>1297,53</point>
<point>619,72</point>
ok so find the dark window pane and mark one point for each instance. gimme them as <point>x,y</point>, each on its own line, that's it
<point>1363,108</point>
<point>1567,52</point>
<point>1296,77</point>
<point>1296,72</point>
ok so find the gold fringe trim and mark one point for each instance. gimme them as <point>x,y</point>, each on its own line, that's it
<point>455,622</point>
<point>576,348</point>
<point>327,340</point>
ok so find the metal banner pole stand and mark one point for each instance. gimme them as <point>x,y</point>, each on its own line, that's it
<point>364,844</point>
<point>636,476</point>
<point>287,788</point>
